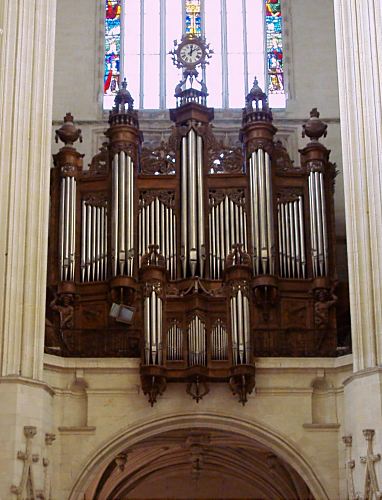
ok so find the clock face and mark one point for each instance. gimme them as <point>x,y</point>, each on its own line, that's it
<point>191,53</point>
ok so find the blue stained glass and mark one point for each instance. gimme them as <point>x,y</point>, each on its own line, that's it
<point>193,19</point>
<point>275,53</point>
<point>112,46</point>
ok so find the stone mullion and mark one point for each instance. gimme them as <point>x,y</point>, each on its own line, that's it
<point>361,154</point>
<point>25,146</point>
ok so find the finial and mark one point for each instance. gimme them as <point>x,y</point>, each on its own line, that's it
<point>123,97</point>
<point>314,128</point>
<point>257,95</point>
<point>68,133</point>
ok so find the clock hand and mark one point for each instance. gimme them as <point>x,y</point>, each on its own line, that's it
<point>191,50</point>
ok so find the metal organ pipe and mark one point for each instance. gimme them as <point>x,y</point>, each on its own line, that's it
<point>196,342</point>
<point>67,232</point>
<point>219,342</point>
<point>156,222</point>
<point>261,212</point>
<point>226,228</point>
<point>184,206</point>
<point>240,328</point>
<point>174,343</point>
<point>192,205</point>
<point>153,327</point>
<point>318,224</point>
<point>123,215</point>
<point>199,168</point>
<point>292,261</point>
<point>93,242</point>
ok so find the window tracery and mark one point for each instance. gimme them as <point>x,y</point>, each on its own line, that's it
<point>246,36</point>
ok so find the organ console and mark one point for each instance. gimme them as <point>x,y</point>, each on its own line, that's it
<point>219,254</point>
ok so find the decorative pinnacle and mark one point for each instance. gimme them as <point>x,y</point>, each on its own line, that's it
<point>122,98</point>
<point>68,133</point>
<point>314,128</point>
<point>259,97</point>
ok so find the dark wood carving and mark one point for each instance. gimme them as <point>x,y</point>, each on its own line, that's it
<point>288,314</point>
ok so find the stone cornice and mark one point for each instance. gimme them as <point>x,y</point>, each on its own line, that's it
<point>15,379</point>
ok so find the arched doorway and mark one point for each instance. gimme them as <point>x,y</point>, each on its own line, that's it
<point>200,456</point>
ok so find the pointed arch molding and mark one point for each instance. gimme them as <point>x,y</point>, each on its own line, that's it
<point>133,435</point>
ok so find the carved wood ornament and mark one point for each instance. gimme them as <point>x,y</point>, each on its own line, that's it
<point>211,248</point>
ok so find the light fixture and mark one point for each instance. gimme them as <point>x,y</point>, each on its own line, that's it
<point>122,313</point>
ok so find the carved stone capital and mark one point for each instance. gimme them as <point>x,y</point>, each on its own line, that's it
<point>348,440</point>
<point>49,438</point>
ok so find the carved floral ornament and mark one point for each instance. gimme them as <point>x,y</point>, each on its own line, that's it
<point>158,161</point>
<point>218,195</point>
<point>96,199</point>
<point>165,197</point>
<point>371,489</point>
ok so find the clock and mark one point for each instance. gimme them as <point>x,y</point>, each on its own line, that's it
<point>190,53</point>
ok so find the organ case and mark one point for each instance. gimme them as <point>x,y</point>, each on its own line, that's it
<point>195,256</point>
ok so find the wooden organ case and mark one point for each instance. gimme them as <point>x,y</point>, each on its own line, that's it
<point>193,256</point>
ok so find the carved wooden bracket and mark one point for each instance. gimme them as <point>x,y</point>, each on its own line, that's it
<point>371,488</point>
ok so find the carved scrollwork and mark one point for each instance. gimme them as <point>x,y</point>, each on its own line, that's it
<point>99,163</point>
<point>129,148</point>
<point>96,199</point>
<point>236,195</point>
<point>159,161</point>
<point>225,160</point>
<point>288,195</point>
<point>315,166</point>
<point>152,286</point>
<point>254,145</point>
<point>235,286</point>
<point>166,197</point>
<point>68,170</point>
<point>153,258</point>
<point>281,158</point>
<point>237,257</point>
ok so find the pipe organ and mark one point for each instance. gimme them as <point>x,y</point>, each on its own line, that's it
<point>192,255</point>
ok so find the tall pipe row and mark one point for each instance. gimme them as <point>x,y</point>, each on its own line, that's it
<point>174,343</point>
<point>240,328</point>
<point>227,226</point>
<point>67,232</point>
<point>123,215</point>
<point>153,309</point>
<point>157,226</point>
<point>93,242</point>
<point>292,257</point>
<point>219,342</point>
<point>192,205</point>
<point>318,225</point>
<point>197,342</point>
<point>261,212</point>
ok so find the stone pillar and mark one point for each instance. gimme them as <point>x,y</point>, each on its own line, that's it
<point>358,35</point>
<point>359,39</point>
<point>26,80</point>
<point>27,32</point>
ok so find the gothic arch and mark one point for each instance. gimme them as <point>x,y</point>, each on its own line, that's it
<point>278,447</point>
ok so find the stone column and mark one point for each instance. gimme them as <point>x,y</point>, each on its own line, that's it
<point>359,55</point>
<point>26,80</point>
<point>358,35</point>
<point>27,32</point>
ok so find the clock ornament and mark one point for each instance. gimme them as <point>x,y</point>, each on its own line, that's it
<point>190,52</point>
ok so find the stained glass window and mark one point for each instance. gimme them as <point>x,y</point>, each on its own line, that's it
<point>275,53</point>
<point>193,17</point>
<point>112,59</point>
<point>235,29</point>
